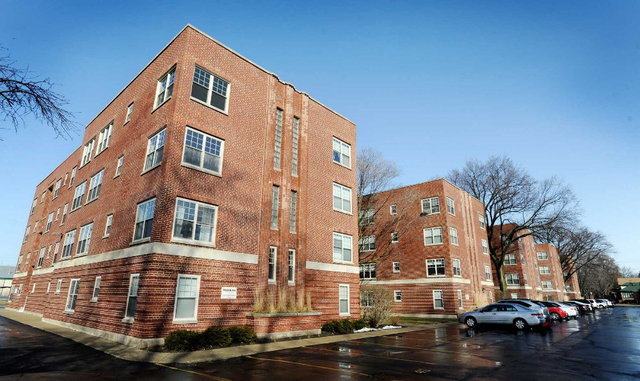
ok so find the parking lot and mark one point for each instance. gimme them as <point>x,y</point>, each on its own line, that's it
<point>605,345</point>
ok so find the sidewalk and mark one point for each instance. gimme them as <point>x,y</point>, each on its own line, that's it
<point>133,354</point>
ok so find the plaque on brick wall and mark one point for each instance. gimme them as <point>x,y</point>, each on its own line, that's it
<point>229,293</point>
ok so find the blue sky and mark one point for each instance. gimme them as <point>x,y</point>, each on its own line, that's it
<point>553,85</point>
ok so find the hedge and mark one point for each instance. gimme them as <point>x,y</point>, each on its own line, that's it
<point>184,340</point>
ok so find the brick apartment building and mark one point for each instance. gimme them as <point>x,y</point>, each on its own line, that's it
<point>572,287</point>
<point>205,182</point>
<point>426,243</point>
<point>550,270</point>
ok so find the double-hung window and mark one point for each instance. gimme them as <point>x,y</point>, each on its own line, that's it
<point>273,258</point>
<point>542,255</point>
<point>58,286</point>
<point>210,89</point>
<point>291,266</point>
<point>366,216</point>
<point>275,206</point>
<point>295,144</point>
<point>393,209</point>
<point>394,237</point>
<point>55,251</point>
<point>144,220</point>
<point>277,145</point>
<point>78,196</point>
<point>202,151</point>
<point>194,221</point>
<point>96,289</point>
<point>485,246</point>
<point>56,188</point>
<point>41,257</point>
<point>33,206</point>
<point>396,267</point>
<point>460,302</point>
<point>107,225</point>
<point>453,236</point>
<point>544,270</point>
<point>164,88</point>
<point>84,239</point>
<point>94,186</point>
<point>435,267</point>
<point>155,149</point>
<point>119,166</point>
<point>293,212</point>
<point>73,176</point>
<point>432,236</point>
<point>64,213</point>
<point>49,221</point>
<point>26,233</point>
<point>510,259</point>
<point>343,299</point>
<point>547,285</point>
<point>368,243</point>
<point>482,221</point>
<point>341,153</point>
<point>72,297</point>
<point>132,298</point>
<point>438,299</point>
<point>368,271</point>
<point>451,206</point>
<point>103,138</point>
<point>457,270</point>
<point>87,152</point>
<point>512,279</point>
<point>397,296</point>
<point>487,272</point>
<point>431,205</point>
<point>127,118</point>
<point>341,198</point>
<point>342,247</point>
<point>67,247</point>
<point>187,293</point>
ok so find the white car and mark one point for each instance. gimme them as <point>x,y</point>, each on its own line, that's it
<point>598,303</point>
<point>571,311</point>
<point>605,302</point>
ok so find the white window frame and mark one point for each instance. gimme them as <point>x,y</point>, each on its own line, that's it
<point>343,150</point>
<point>512,279</point>
<point>205,138</point>
<point>430,232</point>
<point>56,188</point>
<point>397,296</point>
<point>395,237</point>
<point>95,185</point>
<point>277,141</point>
<point>295,145</point>
<point>33,288</point>
<point>342,191</point>
<point>153,148</point>
<point>194,319</point>
<point>487,273</point>
<point>460,300</point>
<point>343,238</point>
<point>78,194</point>
<point>510,259</point>
<point>49,221</point>
<point>368,270</point>
<point>542,257</point>
<point>84,237</point>
<point>367,243</point>
<point>87,152</point>
<point>274,222</point>
<point>453,236</point>
<point>547,283</point>
<point>48,287</point>
<point>395,266</point>
<point>144,222</point>
<point>165,89</point>
<point>107,225</point>
<point>130,319</point>
<point>58,286</point>
<point>72,293</point>
<point>129,113</point>
<point>434,293</point>
<point>210,90</point>
<point>198,206</point>
<point>272,264</point>
<point>393,209</point>
<point>66,244</point>
<point>33,206</point>
<point>291,267</point>
<point>64,213</point>
<point>367,217</point>
<point>485,246</point>
<point>451,206</point>
<point>293,213</point>
<point>119,165</point>
<point>73,176</point>
<point>458,267</point>
<point>96,287</point>
<point>435,262</point>
<point>103,138</point>
<point>430,205</point>
<point>348,299</point>
<point>545,270</point>
<point>483,222</point>
<point>41,257</point>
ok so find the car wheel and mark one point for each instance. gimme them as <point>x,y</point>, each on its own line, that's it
<point>470,322</point>
<point>555,316</point>
<point>520,324</point>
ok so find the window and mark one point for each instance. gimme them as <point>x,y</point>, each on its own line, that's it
<point>368,243</point>
<point>291,266</point>
<point>155,149</point>
<point>55,251</point>
<point>202,151</point>
<point>397,295</point>
<point>132,298</point>
<point>341,198</point>
<point>396,267</point>
<point>49,221</point>
<point>78,196</point>
<point>119,166</point>
<point>457,271</point>
<point>210,89</point>
<point>438,299</point>
<point>482,221</point>
<point>543,255</point>
<point>277,145</point>
<point>368,271</point>
<point>460,302</point>
<point>127,118</point>
<point>164,88</point>
<point>73,176</point>
<point>293,212</point>
<point>57,214</point>
<point>547,284</point>
<point>273,257</point>
<point>64,213</point>
<point>56,188</point>
<point>194,221</point>
<point>41,257</point>
<point>107,225</point>
<point>144,220</point>
<point>58,286</point>
<point>275,206</point>
<point>69,240</point>
<point>433,236</point>
<point>343,299</point>
<point>393,209</point>
<point>513,279</point>
<point>73,295</point>
<point>96,289</point>
<point>341,153</point>
<point>451,206</point>
<point>187,292</point>
<point>365,299</point>
<point>295,142</point>
<point>342,246</point>
<point>485,246</point>
<point>431,205</point>
<point>103,138</point>
<point>48,287</point>
<point>66,176</point>
<point>394,237</point>
<point>367,217</point>
<point>94,186</point>
<point>435,267</point>
<point>453,236</point>
<point>84,239</point>
<point>487,272</point>
<point>33,205</point>
<point>544,270</point>
<point>510,259</point>
<point>26,233</point>
<point>87,152</point>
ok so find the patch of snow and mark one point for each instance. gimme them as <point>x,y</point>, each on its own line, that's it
<point>376,329</point>
<point>391,327</point>
<point>364,330</point>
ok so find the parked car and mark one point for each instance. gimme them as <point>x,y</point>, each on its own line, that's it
<point>605,302</point>
<point>597,304</point>
<point>590,302</point>
<point>532,304</point>
<point>514,314</point>
<point>570,309</point>
<point>583,308</point>
<point>556,311</point>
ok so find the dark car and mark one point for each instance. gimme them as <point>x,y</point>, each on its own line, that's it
<point>583,308</point>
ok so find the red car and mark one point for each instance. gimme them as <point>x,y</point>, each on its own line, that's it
<point>555,311</point>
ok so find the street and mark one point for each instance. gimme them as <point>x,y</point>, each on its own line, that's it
<point>594,347</point>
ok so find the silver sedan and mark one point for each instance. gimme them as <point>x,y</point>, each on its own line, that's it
<point>503,313</point>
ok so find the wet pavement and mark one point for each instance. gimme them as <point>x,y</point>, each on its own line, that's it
<point>604,346</point>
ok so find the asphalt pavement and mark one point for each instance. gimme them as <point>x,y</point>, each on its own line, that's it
<point>603,346</point>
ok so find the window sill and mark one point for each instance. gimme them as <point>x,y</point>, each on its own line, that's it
<point>457,276</point>
<point>343,262</point>
<point>438,308</point>
<point>345,314</point>
<point>193,242</point>
<point>436,276</point>
<point>397,301</point>
<point>343,212</point>
<point>89,202</point>
<point>271,281</point>
<point>139,241</point>
<point>160,105</point>
<point>93,300</point>
<point>69,312</point>
<point>291,283</point>
<point>127,320</point>
<point>434,244</point>
<point>190,321</point>
<point>187,165</point>
<point>209,106</point>
<point>342,165</point>
<point>126,122</point>
<point>98,153</point>
<point>116,176</point>
<point>105,236</point>
<point>150,169</point>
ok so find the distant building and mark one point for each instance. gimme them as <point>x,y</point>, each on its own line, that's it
<point>6,278</point>
<point>629,290</point>
<point>550,272</point>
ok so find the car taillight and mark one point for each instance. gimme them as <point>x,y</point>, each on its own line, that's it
<point>536,314</point>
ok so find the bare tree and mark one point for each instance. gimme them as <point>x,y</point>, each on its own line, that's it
<point>375,174</point>
<point>627,272</point>
<point>22,94</point>
<point>516,205</point>
<point>599,277</point>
